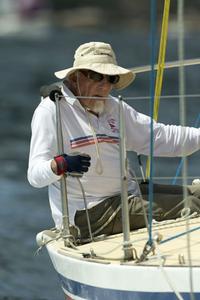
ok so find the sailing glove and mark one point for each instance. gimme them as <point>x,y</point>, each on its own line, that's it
<point>72,163</point>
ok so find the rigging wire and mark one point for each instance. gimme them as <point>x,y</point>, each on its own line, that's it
<point>168,65</point>
<point>160,71</point>
<point>152,85</point>
<point>155,92</point>
<point>180,23</point>
<point>181,78</point>
<point>165,97</point>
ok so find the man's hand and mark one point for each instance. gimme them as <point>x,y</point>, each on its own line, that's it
<point>72,163</point>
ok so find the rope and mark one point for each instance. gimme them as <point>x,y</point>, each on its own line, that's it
<point>179,235</point>
<point>161,58</point>
<point>86,209</point>
<point>99,164</point>
<point>161,63</point>
<point>161,266</point>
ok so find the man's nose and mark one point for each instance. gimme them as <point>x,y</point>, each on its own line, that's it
<point>105,83</point>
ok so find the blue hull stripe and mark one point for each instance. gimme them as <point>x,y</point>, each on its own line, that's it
<point>90,292</point>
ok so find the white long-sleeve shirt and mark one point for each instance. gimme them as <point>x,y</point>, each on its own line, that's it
<point>78,128</point>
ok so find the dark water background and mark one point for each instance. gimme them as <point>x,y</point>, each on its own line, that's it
<point>27,61</point>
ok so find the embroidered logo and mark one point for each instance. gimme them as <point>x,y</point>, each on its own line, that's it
<point>112,124</point>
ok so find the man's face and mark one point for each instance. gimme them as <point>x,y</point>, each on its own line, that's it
<point>92,84</point>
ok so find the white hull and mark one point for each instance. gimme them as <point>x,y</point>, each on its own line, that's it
<point>110,278</point>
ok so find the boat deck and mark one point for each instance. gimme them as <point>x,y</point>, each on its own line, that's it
<point>172,250</point>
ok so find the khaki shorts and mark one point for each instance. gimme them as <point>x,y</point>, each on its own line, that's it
<point>168,202</point>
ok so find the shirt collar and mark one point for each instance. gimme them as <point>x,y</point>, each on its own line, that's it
<point>109,105</point>
<point>69,96</point>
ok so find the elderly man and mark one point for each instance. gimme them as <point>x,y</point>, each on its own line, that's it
<point>90,124</point>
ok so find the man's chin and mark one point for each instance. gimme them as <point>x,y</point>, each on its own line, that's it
<point>98,107</point>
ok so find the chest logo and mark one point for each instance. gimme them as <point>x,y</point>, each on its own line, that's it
<point>113,126</point>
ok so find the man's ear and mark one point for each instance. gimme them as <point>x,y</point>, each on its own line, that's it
<point>73,77</point>
<point>72,82</point>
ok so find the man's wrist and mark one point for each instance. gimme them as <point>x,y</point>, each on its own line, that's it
<point>59,165</point>
<point>54,166</point>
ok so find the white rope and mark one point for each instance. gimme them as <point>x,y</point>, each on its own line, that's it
<point>167,278</point>
<point>99,164</point>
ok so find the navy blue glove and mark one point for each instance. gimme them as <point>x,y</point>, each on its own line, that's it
<point>72,163</point>
<point>77,162</point>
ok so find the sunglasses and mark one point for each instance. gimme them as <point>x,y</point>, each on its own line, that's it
<point>97,77</point>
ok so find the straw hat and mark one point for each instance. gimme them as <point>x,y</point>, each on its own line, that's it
<point>98,57</point>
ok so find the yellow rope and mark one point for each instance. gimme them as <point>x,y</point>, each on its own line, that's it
<point>161,66</point>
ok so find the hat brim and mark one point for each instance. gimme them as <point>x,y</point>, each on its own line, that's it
<point>126,76</point>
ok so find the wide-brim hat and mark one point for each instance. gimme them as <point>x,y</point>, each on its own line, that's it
<point>98,57</point>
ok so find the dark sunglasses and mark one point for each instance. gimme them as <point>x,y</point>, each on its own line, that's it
<point>113,79</point>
